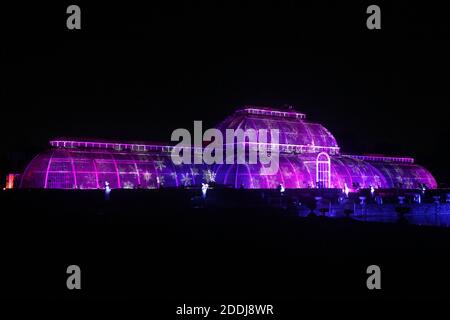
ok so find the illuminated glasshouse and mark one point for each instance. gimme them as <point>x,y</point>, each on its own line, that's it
<point>309,158</point>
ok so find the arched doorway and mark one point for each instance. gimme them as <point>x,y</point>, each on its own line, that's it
<point>323,172</point>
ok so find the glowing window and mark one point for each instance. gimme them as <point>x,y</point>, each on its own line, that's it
<point>323,172</point>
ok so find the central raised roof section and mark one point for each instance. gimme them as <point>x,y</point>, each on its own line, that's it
<point>296,134</point>
<point>264,111</point>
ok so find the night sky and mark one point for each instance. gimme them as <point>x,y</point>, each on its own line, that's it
<point>137,73</point>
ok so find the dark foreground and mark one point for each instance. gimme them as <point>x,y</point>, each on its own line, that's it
<point>157,246</point>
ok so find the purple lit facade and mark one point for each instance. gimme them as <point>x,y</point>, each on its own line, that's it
<point>309,157</point>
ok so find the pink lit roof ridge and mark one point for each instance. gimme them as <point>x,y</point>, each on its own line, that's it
<point>380,157</point>
<point>107,140</point>
<point>289,112</point>
<point>109,144</point>
<point>116,145</point>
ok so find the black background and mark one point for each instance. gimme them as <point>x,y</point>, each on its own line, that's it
<point>136,72</point>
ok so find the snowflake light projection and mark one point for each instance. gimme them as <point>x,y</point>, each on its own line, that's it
<point>185,179</point>
<point>147,176</point>
<point>159,164</point>
<point>209,176</point>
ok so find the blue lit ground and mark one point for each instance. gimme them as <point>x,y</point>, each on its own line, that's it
<point>428,214</point>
